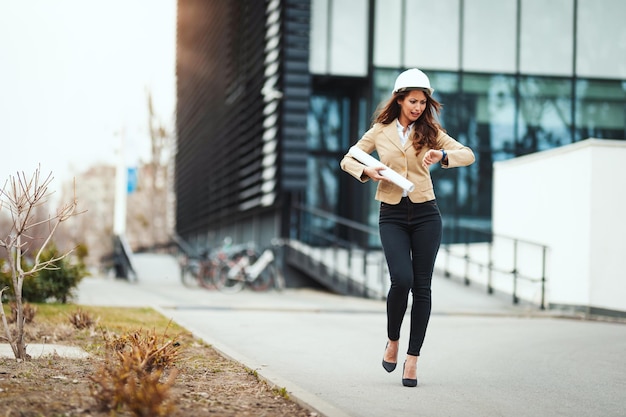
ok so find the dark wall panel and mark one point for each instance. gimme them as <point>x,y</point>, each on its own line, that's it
<point>243,88</point>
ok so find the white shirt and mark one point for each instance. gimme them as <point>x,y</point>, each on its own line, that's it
<point>404,136</point>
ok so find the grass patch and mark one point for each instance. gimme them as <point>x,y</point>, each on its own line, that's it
<point>114,319</point>
<point>106,320</point>
<point>126,343</point>
<point>282,392</point>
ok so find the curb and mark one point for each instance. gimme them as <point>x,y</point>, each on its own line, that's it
<point>296,393</point>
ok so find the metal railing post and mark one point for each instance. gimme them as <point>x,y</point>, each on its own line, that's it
<point>466,279</point>
<point>490,266</point>
<point>446,267</point>
<point>543,279</point>
<point>365,280</point>
<point>515,299</point>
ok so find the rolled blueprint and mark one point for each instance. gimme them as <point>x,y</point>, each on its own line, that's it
<point>370,161</point>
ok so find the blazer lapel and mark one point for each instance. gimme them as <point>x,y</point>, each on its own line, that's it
<point>391,132</point>
<point>408,145</point>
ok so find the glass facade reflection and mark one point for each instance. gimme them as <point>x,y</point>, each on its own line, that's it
<point>515,77</point>
<point>327,135</point>
<point>600,109</point>
<point>544,116</point>
<point>503,116</point>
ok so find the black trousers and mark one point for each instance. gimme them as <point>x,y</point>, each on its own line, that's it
<point>410,234</point>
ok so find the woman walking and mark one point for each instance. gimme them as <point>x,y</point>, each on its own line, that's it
<point>408,138</point>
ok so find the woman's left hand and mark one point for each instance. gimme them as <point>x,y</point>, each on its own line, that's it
<point>431,157</point>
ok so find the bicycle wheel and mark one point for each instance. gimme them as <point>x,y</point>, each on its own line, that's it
<point>206,276</point>
<point>188,274</point>
<point>265,279</point>
<point>228,284</point>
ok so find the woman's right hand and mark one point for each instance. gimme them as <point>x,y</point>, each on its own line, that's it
<point>374,173</point>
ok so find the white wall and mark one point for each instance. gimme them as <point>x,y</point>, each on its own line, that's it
<point>573,199</point>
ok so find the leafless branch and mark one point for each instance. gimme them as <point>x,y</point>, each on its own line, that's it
<point>22,199</point>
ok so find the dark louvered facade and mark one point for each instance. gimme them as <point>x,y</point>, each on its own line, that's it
<point>243,89</point>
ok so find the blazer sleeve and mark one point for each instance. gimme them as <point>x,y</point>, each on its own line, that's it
<point>459,155</point>
<point>352,166</point>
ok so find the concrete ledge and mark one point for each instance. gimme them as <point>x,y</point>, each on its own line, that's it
<point>591,313</point>
<point>36,350</point>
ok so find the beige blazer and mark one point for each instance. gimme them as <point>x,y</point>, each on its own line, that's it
<point>402,159</point>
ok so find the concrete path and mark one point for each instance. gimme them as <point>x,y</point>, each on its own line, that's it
<point>36,350</point>
<point>482,356</point>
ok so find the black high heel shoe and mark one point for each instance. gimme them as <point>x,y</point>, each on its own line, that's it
<point>389,366</point>
<point>408,382</point>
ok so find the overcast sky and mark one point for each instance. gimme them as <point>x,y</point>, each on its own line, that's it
<point>74,76</point>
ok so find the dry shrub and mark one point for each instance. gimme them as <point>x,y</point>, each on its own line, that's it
<point>137,374</point>
<point>81,319</point>
<point>29,312</point>
<point>48,333</point>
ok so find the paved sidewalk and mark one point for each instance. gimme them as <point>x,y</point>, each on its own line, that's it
<point>482,356</point>
<point>36,350</point>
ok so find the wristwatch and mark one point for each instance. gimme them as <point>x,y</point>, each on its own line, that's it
<point>444,155</point>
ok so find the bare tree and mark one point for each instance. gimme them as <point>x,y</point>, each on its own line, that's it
<point>23,197</point>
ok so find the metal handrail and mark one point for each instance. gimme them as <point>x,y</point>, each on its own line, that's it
<point>337,219</point>
<point>513,271</point>
<point>334,240</point>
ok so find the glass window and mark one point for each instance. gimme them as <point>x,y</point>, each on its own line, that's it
<point>327,126</point>
<point>349,37</point>
<point>383,85</point>
<point>488,118</point>
<point>489,35</point>
<point>325,135</point>
<point>600,109</point>
<point>318,58</point>
<point>323,193</point>
<point>339,37</point>
<point>546,44</point>
<point>425,17</point>
<point>482,118</point>
<point>387,27</point>
<point>446,85</point>
<point>601,39</point>
<point>545,114</point>
<point>329,136</point>
<point>504,116</point>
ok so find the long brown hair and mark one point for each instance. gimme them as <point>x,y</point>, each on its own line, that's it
<point>426,128</point>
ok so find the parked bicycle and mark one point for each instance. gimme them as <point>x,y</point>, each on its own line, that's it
<point>251,268</point>
<point>198,270</point>
<point>201,269</point>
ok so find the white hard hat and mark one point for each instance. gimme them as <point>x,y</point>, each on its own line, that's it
<point>412,79</point>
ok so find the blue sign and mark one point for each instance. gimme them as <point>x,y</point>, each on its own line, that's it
<point>131,180</point>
